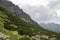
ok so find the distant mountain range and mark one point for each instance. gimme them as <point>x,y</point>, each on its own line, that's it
<point>15,24</point>
<point>51,26</point>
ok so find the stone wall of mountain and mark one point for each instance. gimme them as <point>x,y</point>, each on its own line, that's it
<point>17,27</point>
<point>15,9</point>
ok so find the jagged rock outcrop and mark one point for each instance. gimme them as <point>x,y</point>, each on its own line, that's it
<point>15,9</point>
<point>17,25</point>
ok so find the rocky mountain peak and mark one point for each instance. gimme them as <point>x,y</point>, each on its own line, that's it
<point>18,11</point>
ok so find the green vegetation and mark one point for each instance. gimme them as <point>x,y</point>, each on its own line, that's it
<point>9,23</point>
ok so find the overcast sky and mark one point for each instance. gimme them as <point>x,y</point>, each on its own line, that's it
<point>42,11</point>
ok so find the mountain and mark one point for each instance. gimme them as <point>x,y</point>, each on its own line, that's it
<point>19,12</point>
<point>51,26</point>
<point>15,24</point>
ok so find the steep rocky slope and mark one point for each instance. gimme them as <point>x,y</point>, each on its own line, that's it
<point>14,27</point>
<point>19,12</point>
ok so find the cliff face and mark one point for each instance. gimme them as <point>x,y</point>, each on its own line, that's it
<point>19,12</point>
<point>17,25</point>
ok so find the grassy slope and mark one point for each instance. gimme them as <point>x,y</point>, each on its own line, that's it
<point>3,18</point>
<point>10,22</point>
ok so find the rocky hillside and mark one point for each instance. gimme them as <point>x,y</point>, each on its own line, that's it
<point>14,27</point>
<point>19,12</point>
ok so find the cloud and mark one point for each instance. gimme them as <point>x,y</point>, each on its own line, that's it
<point>47,11</point>
<point>55,4</point>
<point>40,13</point>
<point>31,2</point>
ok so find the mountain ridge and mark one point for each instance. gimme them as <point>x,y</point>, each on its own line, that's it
<point>51,26</point>
<point>19,12</point>
<point>13,27</point>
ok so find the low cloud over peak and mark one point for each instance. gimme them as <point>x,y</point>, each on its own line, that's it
<point>42,13</point>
